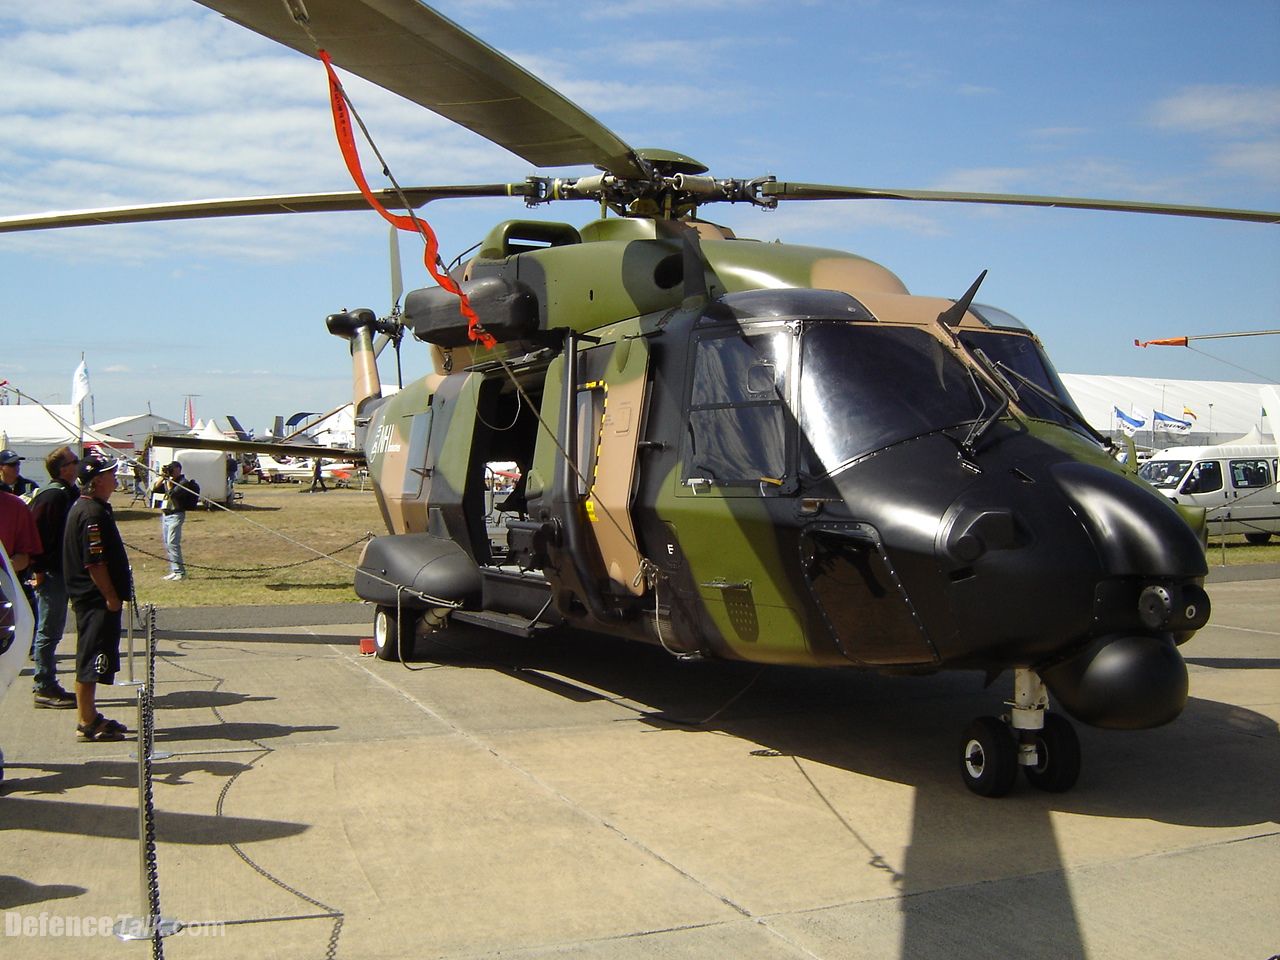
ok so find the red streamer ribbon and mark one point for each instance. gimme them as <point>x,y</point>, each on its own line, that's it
<point>431,256</point>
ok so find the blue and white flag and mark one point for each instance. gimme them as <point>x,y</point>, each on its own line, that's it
<point>1129,424</point>
<point>1169,424</point>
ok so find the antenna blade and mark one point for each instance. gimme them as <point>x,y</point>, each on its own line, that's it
<point>819,191</point>
<point>397,278</point>
<point>408,48</point>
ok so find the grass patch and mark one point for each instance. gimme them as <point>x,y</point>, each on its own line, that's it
<point>252,554</point>
<point>232,560</point>
<point>1232,551</point>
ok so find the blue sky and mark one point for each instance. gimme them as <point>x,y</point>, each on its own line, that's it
<point>139,101</point>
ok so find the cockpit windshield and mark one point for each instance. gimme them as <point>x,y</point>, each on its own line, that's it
<point>1022,355</point>
<point>864,387</point>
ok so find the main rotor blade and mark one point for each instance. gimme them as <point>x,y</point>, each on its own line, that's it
<point>410,49</point>
<point>249,206</point>
<point>818,191</point>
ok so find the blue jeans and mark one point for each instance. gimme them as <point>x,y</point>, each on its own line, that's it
<point>51,621</point>
<point>171,527</point>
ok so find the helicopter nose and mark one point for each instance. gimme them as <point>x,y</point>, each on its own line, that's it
<point>1134,530</point>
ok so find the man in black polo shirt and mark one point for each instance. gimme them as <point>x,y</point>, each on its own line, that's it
<point>97,574</point>
<point>50,509</point>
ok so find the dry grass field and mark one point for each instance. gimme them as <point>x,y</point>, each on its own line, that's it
<point>254,553</point>
<point>261,552</point>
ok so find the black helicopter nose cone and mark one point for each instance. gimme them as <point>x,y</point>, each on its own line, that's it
<point>1135,530</point>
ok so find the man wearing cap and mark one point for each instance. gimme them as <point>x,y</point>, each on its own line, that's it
<point>50,509</point>
<point>12,480</point>
<point>98,579</point>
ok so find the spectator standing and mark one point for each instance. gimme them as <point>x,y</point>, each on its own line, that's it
<point>18,534</point>
<point>98,581</point>
<point>11,478</point>
<point>180,495</point>
<point>21,541</point>
<point>50,509</point>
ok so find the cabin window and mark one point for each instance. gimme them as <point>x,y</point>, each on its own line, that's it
<point>736,431</point>
<point>1250,474</point>
<point>864,387</point>
<point>1205,478</point>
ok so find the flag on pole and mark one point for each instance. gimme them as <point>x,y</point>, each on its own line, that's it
<point>80,384</point>
<point>1129,424</point>
<point>1169,424</point>
<point>1188,412</point>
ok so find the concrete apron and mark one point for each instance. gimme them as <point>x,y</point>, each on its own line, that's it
<point>572,797</point>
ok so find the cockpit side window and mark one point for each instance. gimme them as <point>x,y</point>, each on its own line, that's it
<point>737,434</point>
<point>1021,353</point>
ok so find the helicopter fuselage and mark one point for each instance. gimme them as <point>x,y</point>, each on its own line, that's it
<point>770,453</point>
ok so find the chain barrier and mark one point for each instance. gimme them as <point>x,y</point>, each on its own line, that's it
<point>152,925</point>
<point>368,535</point>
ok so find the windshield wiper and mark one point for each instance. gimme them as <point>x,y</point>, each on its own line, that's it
<point>1071,414</point>
<point>969,444</point>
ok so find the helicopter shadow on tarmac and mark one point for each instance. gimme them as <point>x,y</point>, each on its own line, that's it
<point>906,730</point>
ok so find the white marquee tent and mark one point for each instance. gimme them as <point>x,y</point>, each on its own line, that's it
<point>35,431</point>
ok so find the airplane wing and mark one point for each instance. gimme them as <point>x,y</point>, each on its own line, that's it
<point>344,454</point>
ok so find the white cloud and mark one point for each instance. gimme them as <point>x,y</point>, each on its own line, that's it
<point>1230,110</point>
<point>1260,159</point>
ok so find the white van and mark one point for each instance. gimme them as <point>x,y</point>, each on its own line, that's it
<point>1234,482</point>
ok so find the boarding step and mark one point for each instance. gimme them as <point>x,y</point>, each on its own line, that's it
<point>511,623</point>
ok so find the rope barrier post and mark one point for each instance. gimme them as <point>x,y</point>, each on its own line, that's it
<point>133,614</point>
<point>150,925</point>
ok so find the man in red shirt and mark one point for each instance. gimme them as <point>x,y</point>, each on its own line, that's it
<point>18,533</point>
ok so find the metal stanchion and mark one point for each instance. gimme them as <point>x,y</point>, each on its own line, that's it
<point>150,925</point>
<point>133,613</point>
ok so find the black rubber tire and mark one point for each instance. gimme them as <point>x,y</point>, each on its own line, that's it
<point>1257,539</point>
<point>1058,756</point>
<point>988,758</point>
<point>393,637</point>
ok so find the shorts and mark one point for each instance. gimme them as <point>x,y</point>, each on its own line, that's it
<point>97,641</point>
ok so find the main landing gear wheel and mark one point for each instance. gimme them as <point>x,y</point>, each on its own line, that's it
<point>393,635</point>
<point>988,758</point>
<point>1057,765</point>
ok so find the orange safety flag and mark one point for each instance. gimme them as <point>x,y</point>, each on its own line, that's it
<point>431,256</point>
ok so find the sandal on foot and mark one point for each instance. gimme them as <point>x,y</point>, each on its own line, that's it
<point>100,731</point>
<point>115,725</point>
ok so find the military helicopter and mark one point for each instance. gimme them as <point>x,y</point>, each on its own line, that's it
<point>735,450</point>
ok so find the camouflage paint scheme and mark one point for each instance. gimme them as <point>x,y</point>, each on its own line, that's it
<point>730,568</point>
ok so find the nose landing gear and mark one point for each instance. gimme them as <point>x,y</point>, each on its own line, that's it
<point>1044,744</point>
